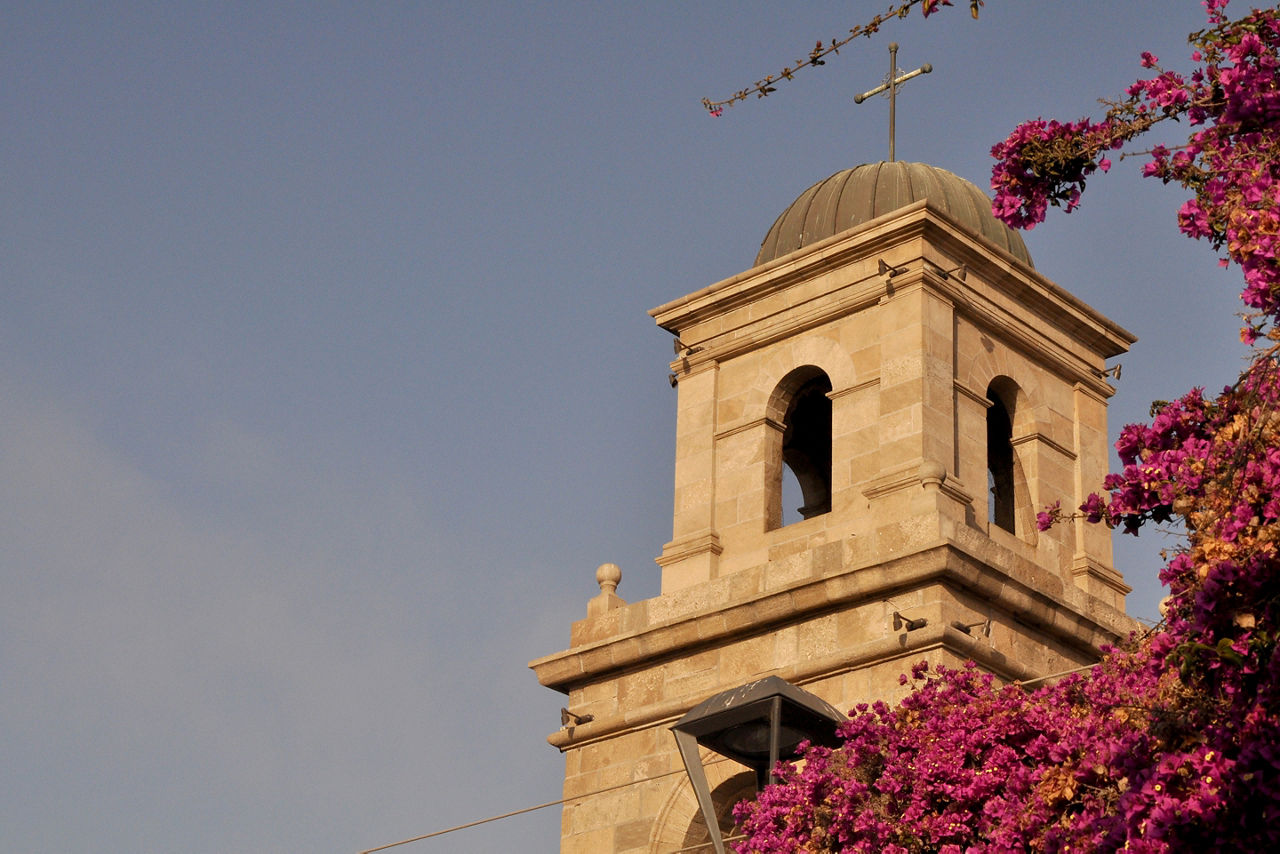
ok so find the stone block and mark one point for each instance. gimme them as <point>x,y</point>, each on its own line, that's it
<point>693,686</point>
<point>816,638</point>
<point>747,659</point>
<point>632,836</point>
<point>594,841</point>
<point>639,689</point>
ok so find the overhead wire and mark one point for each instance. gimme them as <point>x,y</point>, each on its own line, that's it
<point>616,786</point>
<point>493,818</point>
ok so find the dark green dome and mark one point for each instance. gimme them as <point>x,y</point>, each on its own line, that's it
<point>861,194</point>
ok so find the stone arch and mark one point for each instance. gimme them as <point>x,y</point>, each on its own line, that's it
<point>680,824</point>
<point>1008,421</point>
<point>815,350</point>
<point>1002,498</point>
<point>769,398</point>
<point>1001,365</point>
<point>801,407</point>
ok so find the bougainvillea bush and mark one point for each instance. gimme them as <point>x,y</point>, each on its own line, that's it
<point>1171,744</point>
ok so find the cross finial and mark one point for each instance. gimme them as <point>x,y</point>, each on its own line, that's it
<point>891,82</point>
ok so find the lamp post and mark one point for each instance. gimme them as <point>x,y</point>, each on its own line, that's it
<point>757,725</point>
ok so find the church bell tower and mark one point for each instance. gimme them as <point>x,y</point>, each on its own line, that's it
<point>868,420</point>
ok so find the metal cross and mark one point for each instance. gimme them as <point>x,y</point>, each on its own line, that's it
<point>891,83</point>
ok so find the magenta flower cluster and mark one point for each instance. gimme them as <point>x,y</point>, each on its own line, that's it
<point>1171,744</point>
<point>1046,163</point>
<point>963,765</point>
<point>1213,467</point>
<point>1231,99</point>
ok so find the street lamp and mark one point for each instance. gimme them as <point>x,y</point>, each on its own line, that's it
<point>757,725</point>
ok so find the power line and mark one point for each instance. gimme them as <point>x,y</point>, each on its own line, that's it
<point>561,801</point>
<point>529,809</point>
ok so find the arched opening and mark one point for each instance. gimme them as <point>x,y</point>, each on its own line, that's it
<point>806,445</point>
<point>1002,499</point>
<point>725,796</point>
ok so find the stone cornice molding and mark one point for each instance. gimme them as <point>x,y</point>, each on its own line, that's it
<point>907,646</point>
<point>750,425</point>
<point>869,382</point>
<point>1020,305</point>
<point>678,550</point>
<point>1050,603</point>
<point>1045,440</point>
<point>976,397</point>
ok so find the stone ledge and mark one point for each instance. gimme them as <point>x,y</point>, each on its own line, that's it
<point>1026,592</point>
<point>1046,312</point>
<point>885,649</point>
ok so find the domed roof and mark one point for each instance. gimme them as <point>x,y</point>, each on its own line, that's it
<point>858,195</point>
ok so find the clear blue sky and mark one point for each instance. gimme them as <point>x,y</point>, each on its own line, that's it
<point>326,379</point>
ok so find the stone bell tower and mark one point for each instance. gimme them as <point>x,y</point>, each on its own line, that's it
<point>894,355</point>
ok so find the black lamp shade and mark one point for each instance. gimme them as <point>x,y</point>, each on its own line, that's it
<point>756,725</point>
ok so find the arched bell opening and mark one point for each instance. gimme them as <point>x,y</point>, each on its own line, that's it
<point>802,399</point>
<point>1006,488</point>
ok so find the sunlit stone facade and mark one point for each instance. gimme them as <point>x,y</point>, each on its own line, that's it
<point>930,392</point>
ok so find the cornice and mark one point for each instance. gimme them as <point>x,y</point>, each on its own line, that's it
<point>909,647</point>
<point>1018,304</point>
<point>1048,602</point>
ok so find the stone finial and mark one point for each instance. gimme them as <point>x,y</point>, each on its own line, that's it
<point>608,576</point>
<point>933,473</point>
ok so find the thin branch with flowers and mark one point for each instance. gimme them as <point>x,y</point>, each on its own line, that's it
<point>817,56</point>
